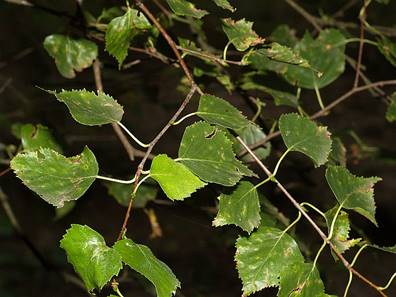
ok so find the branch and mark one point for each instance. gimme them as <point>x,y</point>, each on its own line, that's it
<point>362,17</point>
<point>131,151</point>
<point>310,220</point>
<point>325,110</point>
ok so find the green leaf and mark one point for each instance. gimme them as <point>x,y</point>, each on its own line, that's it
<point>301,280</point>
<point>141,259</point>
<point>284,35</point>
<point>241,208</point>
<point>175,179</point>
<point>338,152</point>
<point>353,192</point>
<point>91,109</point>
<point>388,249</point>
<point>109,14</point>
<point>259,60</point>
<point>208,153</point>
<point>388,49</point>
<point>61,212</point>
<point>325,54</point>
<point>70,54</point>
<point>224,4</point>
<point>303,135</point>
<point>250,135</point>
<point>280,97</point>
<point>241,34</point>
<point>86,250</point>
<point>121,31</point>
<point>123,193</point>
<point>391,111</point>
<point>186,8</point>
<point>284,54</point>
<point>263,256</point>
<point>219,112</point>
<point>35,137</point>
<point>340,230</point>
<point>53,177</point>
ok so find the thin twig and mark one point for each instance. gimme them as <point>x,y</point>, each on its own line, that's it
<point>326,109</point>
<point>149,149</point>
<point>121,136</point>
<point>305,14</point>
<point>310,220</point>
<point>362,18</point>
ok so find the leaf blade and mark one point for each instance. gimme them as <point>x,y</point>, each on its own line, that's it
<point>86,250</point>
<point>55,178</point>
<point>141,259</point>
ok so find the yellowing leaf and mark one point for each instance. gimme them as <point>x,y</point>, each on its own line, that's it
<point>53,177</point>
<point>141,259</point>
<point>90,109</point>
<point>241,34</point>
<point>91,258</point>
<point>341,229</point>
<point>241,208</point>
<point>303,135</point>
<point>353,192</point>
<point>70,54</point>
<point>175,179</point>
<point>224,4</point>
<point>186,8</point>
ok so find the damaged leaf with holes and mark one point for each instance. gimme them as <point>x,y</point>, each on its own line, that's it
<point>241,34</point>
<point>208,153</point>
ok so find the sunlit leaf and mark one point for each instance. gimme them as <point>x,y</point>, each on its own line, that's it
<point>224,4</point>
<point>70,54</point>
<point>325,54</point>
<point>240,208</point>
<point>391,111</point>
<point>262,257</point>
<point>218,111</point>
<point>241,34</point>
<point>208,153</point>
<point>353,192</point>
<point>141,259</point>
<point>91,258</point>
<point>186,8</point>
<point>35,137</point>
<point>175,179</point>
<point>341,229</point>
<point>53,177</point>
<point>301,280</point>
<point>303,135</point>
<point>90,109</point>
<point>121,31</point>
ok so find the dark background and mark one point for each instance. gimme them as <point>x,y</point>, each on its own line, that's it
<point>199,254</point>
